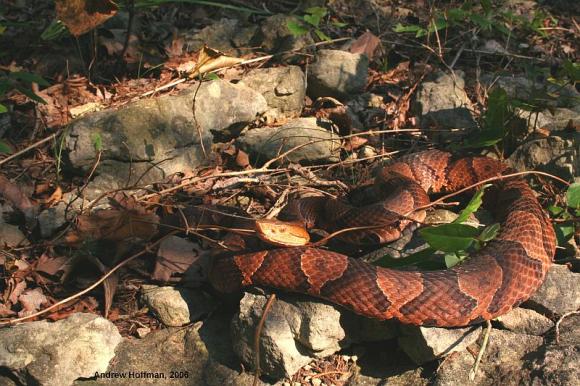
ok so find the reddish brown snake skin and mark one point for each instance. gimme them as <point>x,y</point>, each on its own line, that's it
<point>494,280</point>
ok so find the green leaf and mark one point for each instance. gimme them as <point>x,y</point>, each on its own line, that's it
<point>97,141</point>
<point>555,210</point>
<point>437,24</point>
<point>2,29</point>
<point>489,233</point>
<point>573,195</point>
<point>456,14</point>
<point>29,78</point>
<point>321,35</point>
<point>5,148</point>
<point>564,232</point>
<point>31,94</point>
<point>452,259</point>
<point>3,109</point>
<point>486,5</point>
<point>212,76</point>
<point>55,30</point>
<point>338,24</point>
<point>473,205</point>
<point>422,259</point>
<point>296,28</point>
<point>450,237</point>
<point>480,20</point>
<point>399,28</point>
<point>313,20</point>
<point>317,11</point>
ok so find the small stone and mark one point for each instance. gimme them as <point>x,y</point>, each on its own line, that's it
<point>443,103</point>
<point>423,344</point>
<point>60,352</point>
<point>525,321</point>
<point>177,306</point>
<point>559,294</point>
<point>316,382</point>
<point>142,332</point>
<point>269,142</point>
<point>284,88</point>
<point>337,74</point>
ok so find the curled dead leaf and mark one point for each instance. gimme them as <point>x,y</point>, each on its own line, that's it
<point>281,234</point>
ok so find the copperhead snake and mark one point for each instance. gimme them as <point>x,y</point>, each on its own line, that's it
<point>495,279</point>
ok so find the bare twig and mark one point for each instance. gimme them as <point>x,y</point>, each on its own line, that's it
<point>560,321</point>
<point>267,307</point>
<point>26,149</point>
<point>486,333</point>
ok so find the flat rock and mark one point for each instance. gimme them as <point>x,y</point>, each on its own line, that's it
<point>227,35</point>
<point>284,88</point>
<point>522,87</point>
<point>11,235</point>
<point>60,352</point>
<point>337,74</point>
<point>298,329</point>
<point>160,135</point>
<point>502,363</point>
<point>177,306</point>
<point>275,36</point>
<point>525,321</point>
<point>443,103</point>
<point>559,294</point>
<point>51,219</point>
<point>555,155</point>
<point>423,344</point>
<point>269,142</point>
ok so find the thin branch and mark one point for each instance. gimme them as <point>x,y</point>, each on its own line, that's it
<point>267,307</point>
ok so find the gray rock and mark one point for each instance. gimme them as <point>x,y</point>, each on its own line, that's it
<point>284,88</point>
<point>293,333</point>
<point>337,74</point>
<point>156,137</point>
<point>525,321</point>
<point>227,35</point>
<point>501,364</point>
<point>556,120</point>
<point>363,109</point>
<point>556,365</point>
<point>51,219</point>
<point>423,344</point>
<point>298,329</point>
<point>177,306</point>
<point>163,352</point>
<point>276,37</point>
<point>524,88</point>
<point>559,294</point>
<point>443,103</point>
<point>60,352</point>
<point>555,155</point>
<point>11,236</point>
<point>269,142</point>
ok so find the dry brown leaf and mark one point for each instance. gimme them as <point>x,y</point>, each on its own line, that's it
<point>114,225</point>
<point>175,256</point>
<point>31,301</point>
<point>209,60</point>
<point>354,143</point>
<point>14,195</point>
<point>366,44</point>
<point>81,16</point>
<point>281,234</point>
<point>242,159</point>
<point>16,291</point>
<point>52,265</point>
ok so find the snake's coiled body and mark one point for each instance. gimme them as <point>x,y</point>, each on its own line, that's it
<point>494,280</point>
